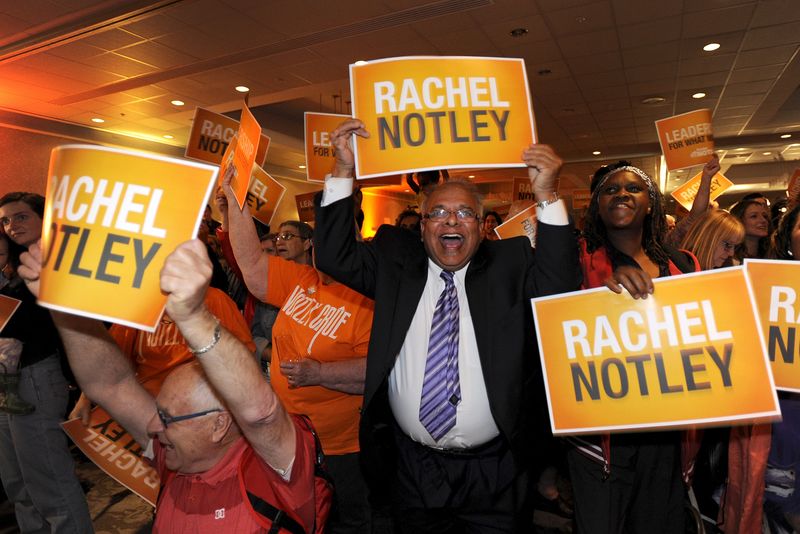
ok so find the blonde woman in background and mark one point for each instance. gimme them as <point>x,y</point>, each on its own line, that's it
<point>713,239</point>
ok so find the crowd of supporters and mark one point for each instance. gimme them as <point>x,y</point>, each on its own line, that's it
<point>353,378</point>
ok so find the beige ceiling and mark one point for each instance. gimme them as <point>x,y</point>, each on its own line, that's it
<point>591,63</point>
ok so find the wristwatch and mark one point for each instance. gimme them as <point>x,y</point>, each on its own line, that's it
<point>544,203</point>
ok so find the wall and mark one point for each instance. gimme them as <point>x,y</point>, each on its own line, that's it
<point>26,155</point>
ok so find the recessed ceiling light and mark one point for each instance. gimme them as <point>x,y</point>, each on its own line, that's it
<point>178,103</point>
<point>699,95</point>
<point>242,88</point>
<point>786,136</point>
<point>518,32</point>
<point>301,166</point>
<point>98,120</point>
<point>710,47</point>
<point>596,153</point>
<point>167,136</point>
<point>766,153</point>
<point>652,100</point>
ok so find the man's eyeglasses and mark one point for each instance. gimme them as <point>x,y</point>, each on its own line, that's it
<point>441,214</point>
<point>285,236</point>
<point>167,420</point>
<point>728,246</point>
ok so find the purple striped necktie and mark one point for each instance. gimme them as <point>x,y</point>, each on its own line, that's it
<point>441,391</point>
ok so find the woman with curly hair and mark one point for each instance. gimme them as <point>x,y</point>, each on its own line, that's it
<point>785,241</point>
<point>713,239</point>
<point>628,482</point>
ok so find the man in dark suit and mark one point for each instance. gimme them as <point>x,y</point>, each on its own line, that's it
<point>452,323</point>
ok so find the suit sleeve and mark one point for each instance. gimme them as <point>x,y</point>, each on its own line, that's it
<point>337,252</point>
<point>556,268</point>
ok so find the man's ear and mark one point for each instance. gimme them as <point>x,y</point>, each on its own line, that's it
<point>222,424</point>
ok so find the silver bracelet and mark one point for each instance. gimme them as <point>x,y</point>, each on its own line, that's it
<point>214,341</point>
<point>544,203</point>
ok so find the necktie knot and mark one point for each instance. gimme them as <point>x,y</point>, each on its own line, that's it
<point>447,276</point>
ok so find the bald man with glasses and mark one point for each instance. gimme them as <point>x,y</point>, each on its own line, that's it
<point>218,435</point>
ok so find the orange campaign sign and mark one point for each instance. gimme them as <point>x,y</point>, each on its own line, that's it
<point>264,195</point>
<point>111,218</point>
<point>686,139</point>
<point>7,308</point>
<point>112,449</point>
<point>430,112</point>
<point>305,206</point>
<point>687,192</point>
<point>776,285</point>
<point>212,133</point>
<point>319,151</point>
<point>240,156</point>
<point>690,354</point>
<point>522,190</point>
<point>581,198</point>
<point>521,224</point>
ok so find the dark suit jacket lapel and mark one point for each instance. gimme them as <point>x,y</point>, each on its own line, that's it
<point>477,285</point>
<point>409,292</point>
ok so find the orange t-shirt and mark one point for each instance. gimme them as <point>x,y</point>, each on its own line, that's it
<point>326,322</point>
<point>155,354</point>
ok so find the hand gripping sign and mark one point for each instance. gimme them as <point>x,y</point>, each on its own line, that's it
<point>686,139</point>
<point>776,285</point>
<point>111,218</point>
<point>690,354</point>
<point>440,112</point>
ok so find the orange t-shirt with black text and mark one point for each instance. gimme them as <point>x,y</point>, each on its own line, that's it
<point>155,354</point>
<point>326,322</point>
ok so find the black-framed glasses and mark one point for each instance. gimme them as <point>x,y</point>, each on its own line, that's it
<point>728,246</point>
<point>441,214</point>
<point>285,236</point>
<point>167,420</point>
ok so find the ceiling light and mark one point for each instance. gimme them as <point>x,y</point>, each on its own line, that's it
<point>518,32</point>
<point>766,153</point>
<point>301,166</point>
<point>596,153</point>
<point>786,136</point>
<point>242,88</point>
<point>177,102</point>
<point>710,47</point>
<point>167,136</point>
<point>98,120</point>
<point>652,100</point>
<point>699,95</point>
<point>471,176</point>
